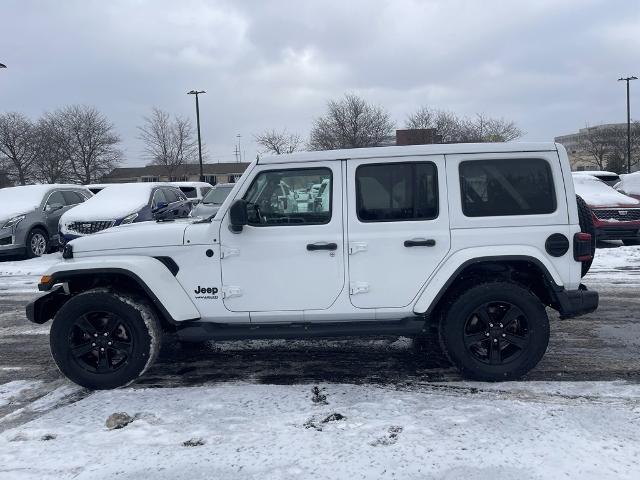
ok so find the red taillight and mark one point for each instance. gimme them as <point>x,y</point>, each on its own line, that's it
<point>582,247</point>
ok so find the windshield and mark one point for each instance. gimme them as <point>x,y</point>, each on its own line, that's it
<point>217,195</point>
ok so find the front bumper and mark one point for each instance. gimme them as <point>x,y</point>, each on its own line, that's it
<point>9,243</point>
<point>573,303</point>
<point>618,232</point>
<point>45,307</point>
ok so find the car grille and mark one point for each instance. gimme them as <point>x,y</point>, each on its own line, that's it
<point>87,228</point>
<point>620,214</point>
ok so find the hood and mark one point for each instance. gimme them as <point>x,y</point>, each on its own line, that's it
<point>134,235</point>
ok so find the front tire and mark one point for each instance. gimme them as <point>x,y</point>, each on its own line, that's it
<point>494,331</point>
<point>37,243</point>
<point>101,339</point>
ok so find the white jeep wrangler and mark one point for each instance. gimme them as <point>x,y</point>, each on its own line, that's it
<point>467,242</point>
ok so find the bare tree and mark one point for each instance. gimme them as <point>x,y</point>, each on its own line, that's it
<point>486,129</point>
<point>169,143</point>
<point>89,141</point>
<point>17,147</point>
<point>278,142</point>
<point>453,128</point>
<point>52,165</point>
<point>598,144</point>
<point>350,123</point>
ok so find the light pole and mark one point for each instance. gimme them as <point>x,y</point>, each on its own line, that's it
<point>239,150</point>
<point>196,93</point>
<point>628,79</point>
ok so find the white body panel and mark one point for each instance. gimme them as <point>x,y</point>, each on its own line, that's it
<point>265,274</point>
<point>383,273</point>
<point>151,271</point>
<point>271,268</point>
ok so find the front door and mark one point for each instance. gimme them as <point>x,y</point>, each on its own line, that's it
<point>290,256</point>
<point>398,228</point>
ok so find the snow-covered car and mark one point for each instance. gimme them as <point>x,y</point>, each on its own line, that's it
<point>610,178</point>
<point>29,216</point>
<point>629,185</point>
<point>212,201</point>
<point>121,204</point>
<point>194,191</point>
<point>466,243</point>
<point>615,216</point>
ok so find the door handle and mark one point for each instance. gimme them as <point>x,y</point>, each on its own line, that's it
<point>321,246</point>
<point>420,243</point>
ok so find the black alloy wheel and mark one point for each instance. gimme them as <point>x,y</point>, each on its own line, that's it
<point>100,342</point>
<point>496,333</point>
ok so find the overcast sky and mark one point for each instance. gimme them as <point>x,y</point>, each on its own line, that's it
<point>550,65</point>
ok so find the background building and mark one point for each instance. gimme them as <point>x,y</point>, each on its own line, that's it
<point>602,147</point>
<point>213,173</point>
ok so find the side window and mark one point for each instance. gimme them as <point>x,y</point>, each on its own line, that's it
<point>170,195</point>
<point>276,197</point>
<point>204,191</point>
<point>514,186</point>
<point>395,192</point>
<point>190,192</point>
<point>72,198</point>
<point>56,198</point>
<point>158,197</point>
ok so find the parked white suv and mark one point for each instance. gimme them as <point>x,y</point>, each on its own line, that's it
<point>471,241</point>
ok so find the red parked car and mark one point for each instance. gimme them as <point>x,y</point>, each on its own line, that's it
<point>616,216</point>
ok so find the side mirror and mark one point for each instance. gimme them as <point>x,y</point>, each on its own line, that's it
<point>52,207</point>
<point>238,216</point>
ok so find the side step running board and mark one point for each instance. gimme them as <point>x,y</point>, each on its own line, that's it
<point>198,330</point>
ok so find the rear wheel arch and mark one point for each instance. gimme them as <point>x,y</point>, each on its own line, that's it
<point>525,271</point>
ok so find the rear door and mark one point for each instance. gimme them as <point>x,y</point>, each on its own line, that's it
<point>398,228</point>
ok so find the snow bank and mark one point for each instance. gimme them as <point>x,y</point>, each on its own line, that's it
<point>598,193</point>
<point>450,431</point>
<point>629,184</point>
<point>17,200</point>
<point>23,275</point>
<point>112,202</point>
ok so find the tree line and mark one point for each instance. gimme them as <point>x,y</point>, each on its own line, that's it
<point>605,147</point>
<point>72,144</point>
<point>352,122</point>
<point>78,144</point>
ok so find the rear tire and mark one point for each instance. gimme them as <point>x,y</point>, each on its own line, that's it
<point>586,226</point>
<point>101,339</point>
<point>37,243</point>
<point>494,331</point>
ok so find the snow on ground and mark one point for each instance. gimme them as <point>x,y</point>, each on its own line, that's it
<point>617,265</point>
<point>453,431</point>
<point>23,275</point>
<point>238,430</point>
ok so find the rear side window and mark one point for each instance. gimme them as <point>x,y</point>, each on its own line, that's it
<point>514,186</point>
<point>170,195</point>
<point>395,192</point>
<point>190,192</point>
<point>72,198</point>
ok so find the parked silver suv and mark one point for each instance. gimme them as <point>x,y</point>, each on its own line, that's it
<point>29,216</point>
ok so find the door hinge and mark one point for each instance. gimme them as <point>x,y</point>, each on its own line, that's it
<point>229,252</point>
<point>228,292</point>
<point>355,247</point>
<point>358,287</point>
